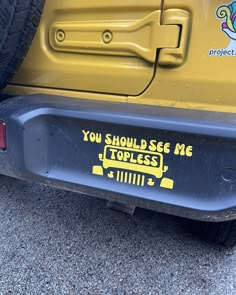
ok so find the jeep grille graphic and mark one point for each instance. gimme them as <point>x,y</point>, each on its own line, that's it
<point>130,178</point>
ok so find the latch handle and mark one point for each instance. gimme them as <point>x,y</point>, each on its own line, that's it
<point>176,56</point>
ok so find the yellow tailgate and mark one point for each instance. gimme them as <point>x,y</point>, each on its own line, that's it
<point>181,53</point>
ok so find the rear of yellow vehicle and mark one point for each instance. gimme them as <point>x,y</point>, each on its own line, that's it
<point>132,101</point>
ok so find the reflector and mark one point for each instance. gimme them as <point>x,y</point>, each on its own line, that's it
<point>3,143</point>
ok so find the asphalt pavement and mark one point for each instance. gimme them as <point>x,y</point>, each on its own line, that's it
<point>59,242</point>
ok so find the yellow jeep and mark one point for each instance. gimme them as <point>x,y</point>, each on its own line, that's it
<point>131,101</point>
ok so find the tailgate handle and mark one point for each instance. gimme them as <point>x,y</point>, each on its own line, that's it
<point>139,38</point>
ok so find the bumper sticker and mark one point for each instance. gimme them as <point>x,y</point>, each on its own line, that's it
<point>134,161</point>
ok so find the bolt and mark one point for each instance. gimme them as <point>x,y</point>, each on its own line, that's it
<point>60,36</point>
<point>107,37</point>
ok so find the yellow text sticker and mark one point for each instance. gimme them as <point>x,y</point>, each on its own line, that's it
<point>135,161</point>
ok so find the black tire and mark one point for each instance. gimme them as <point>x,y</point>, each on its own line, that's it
<point>18,23</point>
<point>223,233</point>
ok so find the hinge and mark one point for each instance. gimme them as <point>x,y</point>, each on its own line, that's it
<point>176,56</point>
<point>139,38</point>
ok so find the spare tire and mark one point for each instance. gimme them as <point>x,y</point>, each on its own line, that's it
<point>18,23</point>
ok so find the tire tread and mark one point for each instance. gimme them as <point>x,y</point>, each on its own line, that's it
<point>19,20</point>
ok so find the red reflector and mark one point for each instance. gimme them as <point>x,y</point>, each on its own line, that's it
<point>3,142</point>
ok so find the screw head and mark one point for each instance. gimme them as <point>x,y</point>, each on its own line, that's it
<point>107,36</point>
<point>60,35</point>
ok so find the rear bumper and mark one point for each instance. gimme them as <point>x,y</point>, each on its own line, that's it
<point>180,162</point>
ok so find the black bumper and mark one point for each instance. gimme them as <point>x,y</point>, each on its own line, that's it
<point>175,161</point>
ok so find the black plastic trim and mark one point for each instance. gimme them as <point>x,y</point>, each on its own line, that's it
<point>45,144</point>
